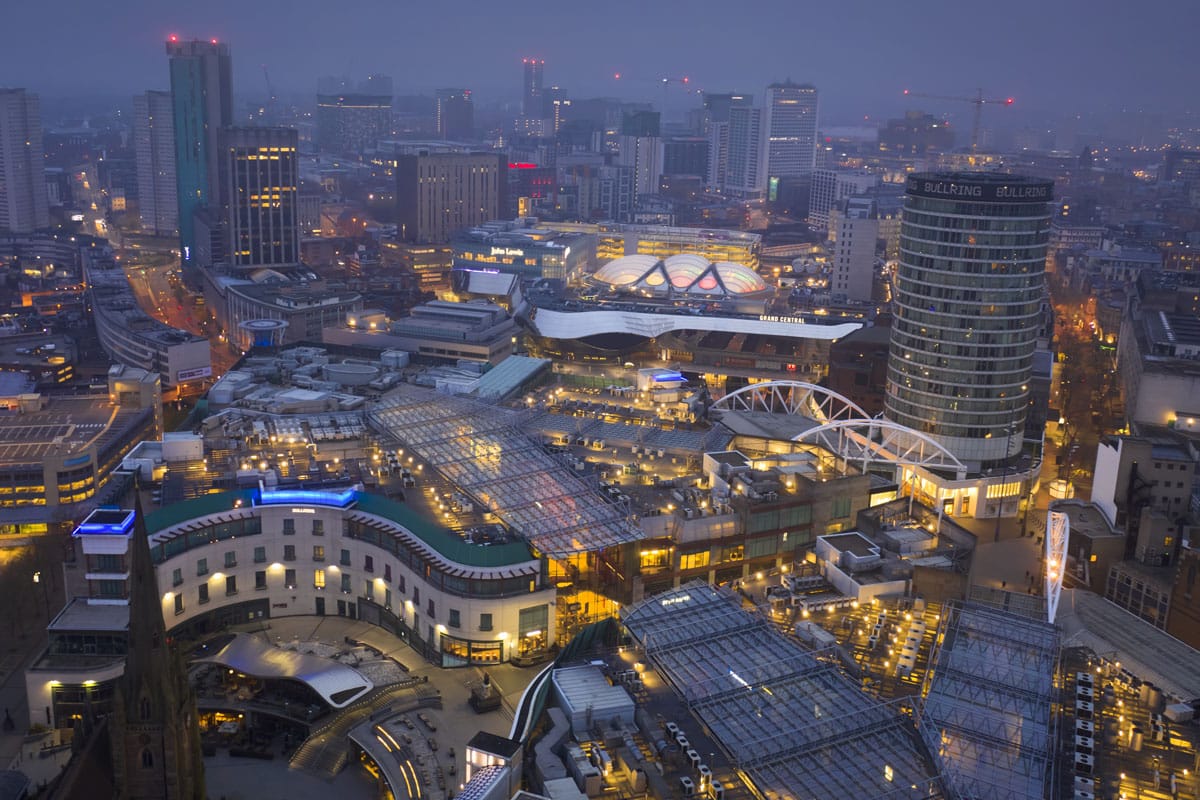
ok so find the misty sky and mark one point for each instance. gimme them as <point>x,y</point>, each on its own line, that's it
<point>1052,55</point>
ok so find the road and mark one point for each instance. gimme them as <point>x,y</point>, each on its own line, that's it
<point>150,276</point>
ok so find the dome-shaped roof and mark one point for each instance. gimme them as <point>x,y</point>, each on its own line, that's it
<point>739,279</point>
<point>684,273</point>
<point>625,270</point>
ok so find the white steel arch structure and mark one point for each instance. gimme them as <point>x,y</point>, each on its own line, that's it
<point>792,397</point>
<point>882,441</point>
<point>1058,532</point>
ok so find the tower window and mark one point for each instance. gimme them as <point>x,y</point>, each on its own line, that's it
<point>147,759</point>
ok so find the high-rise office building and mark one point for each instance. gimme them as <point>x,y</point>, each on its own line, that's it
<point>829,187</point>
<point>259,178</point>
<point>154,143</point>
<point>438,193</point>
<point>202,95</point>
<point>745,173</point>
<point>718,155</point>
<point>916,135</point>
<point>454,113</point>
<point>685,155</point>
<point>716,130</point>
<point>968,306</point>
<point>531,96</point>
<point>790,128</point>
<point>24,205</point>
<point>640,146</point>
<point>854,250</point>
<point>352,118</point>
<point>717,105</point>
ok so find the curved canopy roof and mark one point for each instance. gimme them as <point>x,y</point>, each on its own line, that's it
<point>685,274</point>
<point>336,683</point>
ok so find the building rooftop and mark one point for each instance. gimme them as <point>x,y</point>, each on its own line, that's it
<point>295,295</point>
<point>491,743</point>
<point>65,425</point>
<point>854,543</point>
<point>794,725</point>
<point>1087,520</point>
<point>988,715</point>
<point>35,349</point>
<point>508,376</point>
<point>479,448</point>
<point>1089,620</point>
<point>15,383</point>
<point>78,616</point>
<point>441,540</point>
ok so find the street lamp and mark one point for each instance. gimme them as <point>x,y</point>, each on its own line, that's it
<point>37,579</point>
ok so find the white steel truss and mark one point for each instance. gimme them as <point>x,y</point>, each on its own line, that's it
<point>880,441</point>
<point>791,397</point>
<point>1058,531</point>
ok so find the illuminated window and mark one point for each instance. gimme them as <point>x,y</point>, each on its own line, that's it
<point>318,579</point>
<point>997,490</point>
<point>694,560</point>
<point>656,559</point>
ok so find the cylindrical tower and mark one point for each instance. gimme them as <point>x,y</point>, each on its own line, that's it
<point>968,304</point>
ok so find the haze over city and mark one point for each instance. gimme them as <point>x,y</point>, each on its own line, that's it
<point>1065,56</point>
<point>675,400</point>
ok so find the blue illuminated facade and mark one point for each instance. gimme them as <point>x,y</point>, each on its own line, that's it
<point>202,99</point>
<point>106,522</point>
<point>300,497</point>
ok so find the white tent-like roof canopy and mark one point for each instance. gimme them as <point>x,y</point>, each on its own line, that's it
<point>686,274</point>
<point>337,684</point>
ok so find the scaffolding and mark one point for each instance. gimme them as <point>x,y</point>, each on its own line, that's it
<point>480,450</point>
<point>790,722</point>
<point>988,714</point>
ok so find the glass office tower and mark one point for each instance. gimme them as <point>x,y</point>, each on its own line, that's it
<point>202,98</point>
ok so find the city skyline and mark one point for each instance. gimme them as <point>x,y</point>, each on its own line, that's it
<point>740,363</point>
<point>1070,51</point>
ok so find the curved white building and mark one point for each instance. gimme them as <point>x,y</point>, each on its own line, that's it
<point>968,304</point>
<point>243,555</point>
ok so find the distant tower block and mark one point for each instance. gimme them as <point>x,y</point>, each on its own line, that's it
<point>262,332</point>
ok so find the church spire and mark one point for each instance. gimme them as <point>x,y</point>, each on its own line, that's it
<point>154,729</point>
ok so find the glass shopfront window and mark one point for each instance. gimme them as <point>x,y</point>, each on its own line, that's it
<point>458,652</point>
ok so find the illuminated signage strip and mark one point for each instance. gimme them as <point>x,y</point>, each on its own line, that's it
<point>984,191</point>
<point>121,528</point>
<point>290,497</point>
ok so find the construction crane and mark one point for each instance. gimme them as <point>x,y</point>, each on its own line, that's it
<point>979,101</point>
